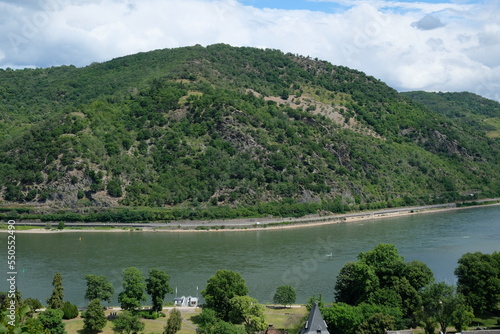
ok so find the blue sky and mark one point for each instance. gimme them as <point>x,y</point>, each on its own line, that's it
<point>295,4</point>
<point>411,45</point>
<point>334,6</point>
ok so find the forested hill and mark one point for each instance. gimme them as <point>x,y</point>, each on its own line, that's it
<point>469,109</point>
<point>220,127</point>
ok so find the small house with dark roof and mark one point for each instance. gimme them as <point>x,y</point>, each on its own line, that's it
<point>315,323</point>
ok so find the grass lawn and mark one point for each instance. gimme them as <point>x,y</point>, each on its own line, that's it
<point>19,227</point>
<point>489,322</point>
<point>287,318</point>
<point>492,322</point>
<point>75,326</point>
<point>280,317</point>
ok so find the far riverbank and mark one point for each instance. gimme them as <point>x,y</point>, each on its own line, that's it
<point>247,224</point>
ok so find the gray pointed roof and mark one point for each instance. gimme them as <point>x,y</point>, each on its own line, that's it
<point>315,323</point>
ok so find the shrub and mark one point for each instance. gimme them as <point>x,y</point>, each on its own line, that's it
<point>94,320</point>
<point>70,311</point>
<point>33,303</point>
<point>115,188</point>
<point>80,194</point>
<point>148,315</point>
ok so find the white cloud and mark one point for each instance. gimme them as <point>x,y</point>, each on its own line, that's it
<point>399,6</point>
<point>428,22</point>
<point>373,36</point>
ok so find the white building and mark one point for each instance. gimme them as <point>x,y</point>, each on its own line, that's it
<point>186,301</point>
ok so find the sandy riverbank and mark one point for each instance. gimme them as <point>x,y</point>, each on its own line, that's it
<point>251,224</point>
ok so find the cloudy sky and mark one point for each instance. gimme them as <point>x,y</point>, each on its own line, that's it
<point>433,45</point>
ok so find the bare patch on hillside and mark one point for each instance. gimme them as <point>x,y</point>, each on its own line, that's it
<point>337,113</point>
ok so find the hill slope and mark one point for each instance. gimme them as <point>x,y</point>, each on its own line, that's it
<point>468,109</point>
<point>221,127</point>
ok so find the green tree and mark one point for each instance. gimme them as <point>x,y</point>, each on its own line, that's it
<point>174,322</point>
<point>438,300</point>
<point>378,323</point>
<point>385,261</point>
<point>220,326</point>
<point>342,318</point>
<point>386,297</point>
<point>114,188</point>
<point>126,323</point>
<point>95,320</point>
<point>23,321</point>
<point>55,301</point>
<point>209,323</point>
<point>427,320</point>
<point>157,286</point>
<point>285,295</point>
<point>4,301</point>
<point>479,280</point>
<point>220,289</point>
<point>355,282</point>
<point>133,289</point>
<point>51,321</point>
<point>419,275</point>
<point>206,316</point>
<point>381,276</point>
<point>315,300</point>
<point>99,287</point>
<point>70,311</point>
<point>369,310</point>
<point>247,310</point>
<point>80,194</point>
<point>33,303</point>
<point>462,315</point>
<point>410,298</point>
<point>364,318</point>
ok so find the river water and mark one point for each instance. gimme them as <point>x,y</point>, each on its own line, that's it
<point>307,258</point>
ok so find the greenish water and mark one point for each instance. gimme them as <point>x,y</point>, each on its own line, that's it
<point>266,259</point>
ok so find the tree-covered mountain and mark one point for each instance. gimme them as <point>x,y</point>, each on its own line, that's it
<point>223,127</point>
<point>466,108</point>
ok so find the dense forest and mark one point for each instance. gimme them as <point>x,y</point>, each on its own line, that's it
<point>467,109</point>
<point>218,128</point>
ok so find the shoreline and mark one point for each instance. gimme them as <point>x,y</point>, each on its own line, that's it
<point>248,224</point>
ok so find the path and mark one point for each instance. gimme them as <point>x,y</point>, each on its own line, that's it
<point>253,223</point>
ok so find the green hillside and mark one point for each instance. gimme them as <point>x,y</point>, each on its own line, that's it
<point>221,127</point>
<point>468,109</point>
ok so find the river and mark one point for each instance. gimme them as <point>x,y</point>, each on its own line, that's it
<point>307,258</point>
